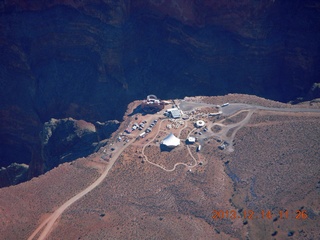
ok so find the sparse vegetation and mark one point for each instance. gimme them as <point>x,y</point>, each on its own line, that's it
<point>273,167</point>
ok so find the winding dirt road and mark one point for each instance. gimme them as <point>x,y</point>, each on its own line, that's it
<point>175,165</point>
<point>48,223</point>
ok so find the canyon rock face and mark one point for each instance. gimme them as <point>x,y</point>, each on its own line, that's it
<point>61,140</point>
<point>146,193</point>
<point>89,59</point>
<point>14,174</point>
<point>65,140</point>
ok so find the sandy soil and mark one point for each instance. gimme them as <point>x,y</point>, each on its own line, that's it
<point>274,166</point>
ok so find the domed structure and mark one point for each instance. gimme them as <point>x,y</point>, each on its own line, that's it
<point>171,141</point>
<point>200,123</point>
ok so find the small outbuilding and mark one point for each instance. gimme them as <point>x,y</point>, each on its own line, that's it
<point>199,148</point>
<point>191,139</point>
<point>142,134</point>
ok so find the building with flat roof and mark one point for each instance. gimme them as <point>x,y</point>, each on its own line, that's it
<point>199,148</point>
<point>174,112</point>
<point>142,134</point>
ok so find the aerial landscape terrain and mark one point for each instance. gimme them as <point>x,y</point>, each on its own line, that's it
<point>227,148</point>
<point>260,165</point>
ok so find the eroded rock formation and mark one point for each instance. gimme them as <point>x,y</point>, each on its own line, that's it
<point>89,59</point>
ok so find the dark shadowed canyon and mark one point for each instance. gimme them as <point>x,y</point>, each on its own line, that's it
<point>89,59</point>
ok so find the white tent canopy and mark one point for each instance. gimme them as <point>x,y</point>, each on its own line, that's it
<point>171,141</point>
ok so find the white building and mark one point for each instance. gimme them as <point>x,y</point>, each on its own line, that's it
<point>199,148</point>
<point>142,134</point>
<point>191,139</point>
<point>215,114</point>
<point>200,123</point>
<point>171,141</point>
<point>174,112</point>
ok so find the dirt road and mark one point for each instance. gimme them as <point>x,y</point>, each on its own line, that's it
<point>175,165</point>
<point>48,223</point>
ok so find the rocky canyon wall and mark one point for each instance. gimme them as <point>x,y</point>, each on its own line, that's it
<point>89,59</point>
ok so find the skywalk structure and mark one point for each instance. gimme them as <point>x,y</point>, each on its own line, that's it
<point>152,104</point>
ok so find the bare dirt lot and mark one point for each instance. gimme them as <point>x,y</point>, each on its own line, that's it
<point>276,167</point>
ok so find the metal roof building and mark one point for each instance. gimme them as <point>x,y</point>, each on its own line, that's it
<point>175,112</point>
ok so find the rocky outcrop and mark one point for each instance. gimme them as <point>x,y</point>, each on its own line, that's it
<point>13,174</point>
<point>89,59</point>
<point>61,140</point>
<point>65,140</point>
<point>105,129</point>
<point>314,92</point>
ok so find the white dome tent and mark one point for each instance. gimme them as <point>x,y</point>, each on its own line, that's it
<point>171,141</point>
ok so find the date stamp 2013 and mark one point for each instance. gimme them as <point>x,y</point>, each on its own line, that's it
<point>263,214</point>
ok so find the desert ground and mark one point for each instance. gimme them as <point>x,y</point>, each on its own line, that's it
<point>268,165</point>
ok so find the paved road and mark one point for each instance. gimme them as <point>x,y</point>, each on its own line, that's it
<point>189,106</point>
<point>232,108</point>
<point>48,223</point>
